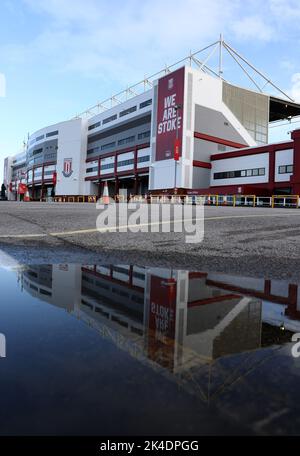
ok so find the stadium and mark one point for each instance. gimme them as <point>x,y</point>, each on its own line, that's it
<point>184,131</point>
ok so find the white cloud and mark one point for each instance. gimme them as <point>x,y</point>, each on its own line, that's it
<point>287,65</point>
<point>253,27</point>
<point>68,11</point>
<point>285,9</point>
<point>120,40</point>
<point>295,89</point>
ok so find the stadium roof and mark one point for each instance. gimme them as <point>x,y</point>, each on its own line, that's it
<point>283,109</point>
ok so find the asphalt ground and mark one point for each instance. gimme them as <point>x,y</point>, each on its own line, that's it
<point>260,242</point>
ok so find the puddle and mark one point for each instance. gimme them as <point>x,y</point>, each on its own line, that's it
<point>101,349</point>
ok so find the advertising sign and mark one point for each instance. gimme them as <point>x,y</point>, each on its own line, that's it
<point>162,319</point>
<point>170,115</point>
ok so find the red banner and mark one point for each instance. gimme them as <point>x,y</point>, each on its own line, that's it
<point>169,114</point>
<point>177,149</point>
<point>162,319</point>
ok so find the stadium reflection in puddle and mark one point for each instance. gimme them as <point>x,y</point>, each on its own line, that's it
<point>131,350</point>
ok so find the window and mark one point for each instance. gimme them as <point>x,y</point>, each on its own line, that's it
<point>50,156</point>
<point>282,169</point>
<point>145,103</point>
<point>40,137</point>
<point>52,133</point>
<point>108,145</point>
<point>95,125</point>
<point>91,151</point>
<point>240,173</point>
<point>143,159</point>
<point>91,170</point>
<point>107,166</point>
<point>121,270</point>
<point>45,292</point>
<point>120,129</point>
<point>126,162</point>
<point>130,139</point>
<point>144,135</point>
<point>18,167</point>
<point>37,151</point>
<point>109,119</point>
<point>285,169</point>
<point>138,275</point>
<point>127,111</point>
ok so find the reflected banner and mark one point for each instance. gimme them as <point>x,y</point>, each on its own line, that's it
<point>162,319</point>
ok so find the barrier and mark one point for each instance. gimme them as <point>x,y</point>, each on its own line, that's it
<point>226,200</point>
<point>138,199</point>
<point>289,201</point>
<point>264,201</point>
<point>274,201</point>
<point>211,200</point>
<point>176,200</point>
<point>244,200</point>
<point>162,199</point>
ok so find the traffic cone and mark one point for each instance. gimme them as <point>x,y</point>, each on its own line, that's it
<point>26,196</point>
<point>105,196</point>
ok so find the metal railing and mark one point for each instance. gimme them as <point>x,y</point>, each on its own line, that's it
<point>291,201</point>
<point>274,201</point>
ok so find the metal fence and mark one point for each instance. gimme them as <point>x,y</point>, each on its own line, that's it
<point>287,201</point>
<point>274,201</point>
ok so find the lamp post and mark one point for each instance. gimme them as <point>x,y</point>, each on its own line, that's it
<point>176,158</point>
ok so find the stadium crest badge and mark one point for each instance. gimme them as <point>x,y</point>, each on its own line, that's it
<point>67,171</point>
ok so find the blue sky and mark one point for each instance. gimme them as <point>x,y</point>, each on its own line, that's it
<point>59,57</point>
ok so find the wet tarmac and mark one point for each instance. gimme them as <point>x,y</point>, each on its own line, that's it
<point>101,349</point>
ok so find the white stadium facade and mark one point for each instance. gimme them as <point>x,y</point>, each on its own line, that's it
<point>188,132</point>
